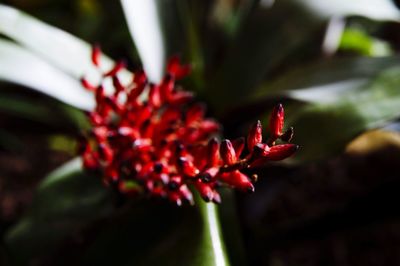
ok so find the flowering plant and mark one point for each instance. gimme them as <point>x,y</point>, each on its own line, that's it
<point>144,142</point>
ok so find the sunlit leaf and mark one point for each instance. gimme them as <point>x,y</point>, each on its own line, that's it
<point>144,24</point>
<point>22,67</point>
<point>61,49</point>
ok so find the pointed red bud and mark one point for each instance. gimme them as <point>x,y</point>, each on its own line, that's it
<point>227,152</point>
<point>276,121</point>
<point>96,54</point>
<point>209,175</point>
<point>255,135</point>
<point>175,68</point>
<point>186,194</point>
<point>154,96</point>
<point>87,85</point>
<point>205,190</point>
<point>280,152</point>
<point>181,97</point>
<point>213,152</point>
<point>238,180</point>
<point>187,167</point>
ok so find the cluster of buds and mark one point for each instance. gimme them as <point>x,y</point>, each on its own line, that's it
<point>153,139</point>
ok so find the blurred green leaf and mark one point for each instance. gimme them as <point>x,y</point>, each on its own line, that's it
<point>154,233</point>
<point>358,41</point>
<point>323,130</point>
<point>260,47</point>
<point>65,201</point>
<point>145,233</point>
<point>328,78</point>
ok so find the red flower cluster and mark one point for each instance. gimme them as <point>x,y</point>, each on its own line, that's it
<point>152,139</point>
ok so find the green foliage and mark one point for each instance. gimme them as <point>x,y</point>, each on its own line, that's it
<point>68,201</point>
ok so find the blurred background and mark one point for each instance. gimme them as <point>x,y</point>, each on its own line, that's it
<point>334,65</point>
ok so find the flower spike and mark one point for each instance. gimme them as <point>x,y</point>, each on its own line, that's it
<point>152,139</point>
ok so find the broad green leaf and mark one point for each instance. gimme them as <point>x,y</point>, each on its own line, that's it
<point>156,233</point>
<point>326,78</point>
<point>143,233</point>
<point>144,24</point>
<point>264,42</point>
<point>323,130</point>
<point>61,49</point>
<point>20,66</point>
<point>65,201</point>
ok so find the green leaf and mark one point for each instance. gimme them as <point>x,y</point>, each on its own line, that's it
<point>145,28</point>
<point>356,40</point>
<point>65,201</point>
<point>322,80</point>
<point>144,233</point>
<point>264,42</point>
<point>59,48</point>
<point>323,130</point>
<point>156,233</point>
<point>22,67</point>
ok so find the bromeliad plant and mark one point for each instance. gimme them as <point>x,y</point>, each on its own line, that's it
<point>150,137</point>
<point>154,139</point>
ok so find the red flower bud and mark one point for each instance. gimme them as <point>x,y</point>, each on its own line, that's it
<point>87,85</point>
<point>175,68</point>
<point>227,152</point>
<point>213,152</point>
<point>255,135</point>
<point>96,54</point>
<point>205,190</point>
<point>238,180</point>
<point>154,96</point>
<point>276,121</point>
<point>187,167</point>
